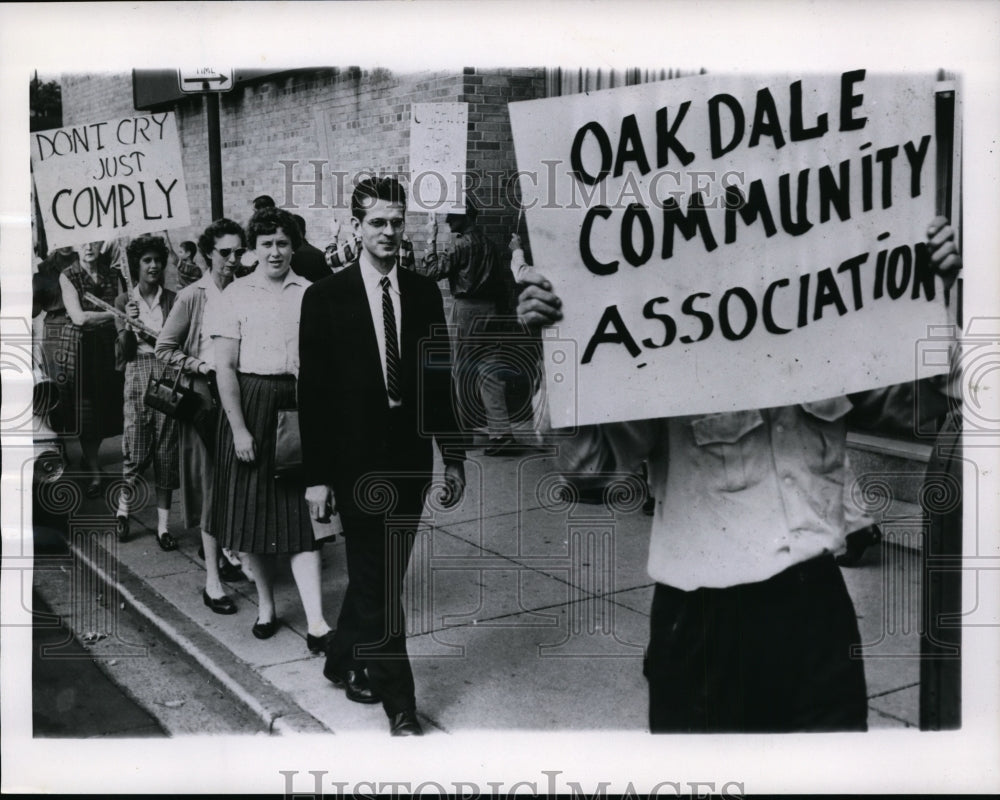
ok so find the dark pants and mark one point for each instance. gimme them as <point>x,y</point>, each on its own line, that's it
<point>379,529</point>
<point>773,656</point>
<point>941,640</point>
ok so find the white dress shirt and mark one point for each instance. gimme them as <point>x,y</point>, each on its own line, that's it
<point>372,279</point>
<point>740,496</point>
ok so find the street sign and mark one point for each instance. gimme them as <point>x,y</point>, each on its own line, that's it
<point>205,79</point>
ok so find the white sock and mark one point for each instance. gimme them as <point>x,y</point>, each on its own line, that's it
<point>122,505</point>
<point>162,515</point>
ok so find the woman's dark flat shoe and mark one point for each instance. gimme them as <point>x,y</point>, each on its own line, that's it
<point>166,541</point>
<point>265,630</point>
<point>121,528</point>
<point>318,644</point>
<point>220,605</point>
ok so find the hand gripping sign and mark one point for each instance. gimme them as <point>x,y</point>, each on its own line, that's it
<point>732,242</point>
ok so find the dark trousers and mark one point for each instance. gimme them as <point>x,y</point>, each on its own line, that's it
<point>773,656</point>
<point>371,628</point>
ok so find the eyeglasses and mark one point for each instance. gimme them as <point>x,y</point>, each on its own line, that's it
<point>225,252</point>
<point>378,223</point>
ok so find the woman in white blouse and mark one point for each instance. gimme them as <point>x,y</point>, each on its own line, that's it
<point>256,334</point>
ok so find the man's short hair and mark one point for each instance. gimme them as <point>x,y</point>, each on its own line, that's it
<point>221,227</point>
<point>263,201</point>
<point>267,221</point>
<point>371,190</point>
<point>141,245</point>
<point>189,248</point>
<point>301,223</point>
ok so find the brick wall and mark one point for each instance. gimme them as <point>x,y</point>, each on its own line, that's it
<point>351,120</point>
<point>96,96</point>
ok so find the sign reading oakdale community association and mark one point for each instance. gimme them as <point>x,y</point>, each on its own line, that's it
<point>731,242</point>
<point>108,179</point>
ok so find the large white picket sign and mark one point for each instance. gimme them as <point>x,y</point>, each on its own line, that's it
<point>731,242</point>
<point>104,180</point>
<point>438,157</point>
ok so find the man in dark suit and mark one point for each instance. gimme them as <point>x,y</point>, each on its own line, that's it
<point>308,261</point>
<point>373,392</point>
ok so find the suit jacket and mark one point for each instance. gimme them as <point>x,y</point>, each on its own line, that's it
<point>344,414</point>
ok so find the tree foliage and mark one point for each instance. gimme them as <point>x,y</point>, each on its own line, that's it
<point>45,104</point>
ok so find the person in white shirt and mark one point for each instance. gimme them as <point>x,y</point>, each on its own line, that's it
<point>751,626</point>
<point>255,330</point>
<point>150,437</point>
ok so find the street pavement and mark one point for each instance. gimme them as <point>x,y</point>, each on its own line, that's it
<point>525,610</point>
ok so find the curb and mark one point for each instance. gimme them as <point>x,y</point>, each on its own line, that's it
<point>276,710</point>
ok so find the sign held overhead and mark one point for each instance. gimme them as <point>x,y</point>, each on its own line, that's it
<point>108,179</point>
<point>723,242</point>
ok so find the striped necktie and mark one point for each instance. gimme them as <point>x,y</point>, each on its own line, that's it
<point>391,344</point>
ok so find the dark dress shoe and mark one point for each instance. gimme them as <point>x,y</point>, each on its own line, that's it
<point>220,605</point>
<point>121,528</point>
<point>857,543</point>
<point>355,683</point>
<point>166,541</point>
<point>318,644</point>
<point>229,572</point>
<point>405,724</point>
<point>265,630</point>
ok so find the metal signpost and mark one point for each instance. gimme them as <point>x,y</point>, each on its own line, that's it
<point>211,82</point>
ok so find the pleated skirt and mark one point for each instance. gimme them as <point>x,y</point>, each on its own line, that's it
<point>254,511</point>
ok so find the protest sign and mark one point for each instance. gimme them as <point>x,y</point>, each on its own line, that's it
<point>731,242</point>
<point>438,157</point>
<point>109,179</point>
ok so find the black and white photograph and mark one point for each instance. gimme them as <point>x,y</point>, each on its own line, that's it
<point>600,397</point>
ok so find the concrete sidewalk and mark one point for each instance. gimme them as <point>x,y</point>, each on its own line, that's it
<point>524,611</point>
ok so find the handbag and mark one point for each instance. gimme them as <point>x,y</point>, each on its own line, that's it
<point>176,401</point>
<point>287,444</point>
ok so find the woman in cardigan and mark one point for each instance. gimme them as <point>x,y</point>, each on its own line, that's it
<point>185,344</point>
<point>150,435</point>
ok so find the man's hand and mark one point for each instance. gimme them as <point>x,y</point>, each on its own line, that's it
<point>243,443</point>
<point>945,257</point>
<point>515,242</point>
<point>454,484</point>
<point>537,306</point>
<point>132,309</point>
<point>321,503</point>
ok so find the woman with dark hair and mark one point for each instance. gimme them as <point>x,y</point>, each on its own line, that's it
<point>185,344</point>
<point>256,334</point>
<point>150,435</point>
<point>80,340</point>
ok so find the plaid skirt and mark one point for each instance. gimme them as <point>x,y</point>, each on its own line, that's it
<point>82,364</point>
<point>254,511</point>
<point>150,435</point>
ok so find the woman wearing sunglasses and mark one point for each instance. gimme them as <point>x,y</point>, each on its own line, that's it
<point>185,344</point>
